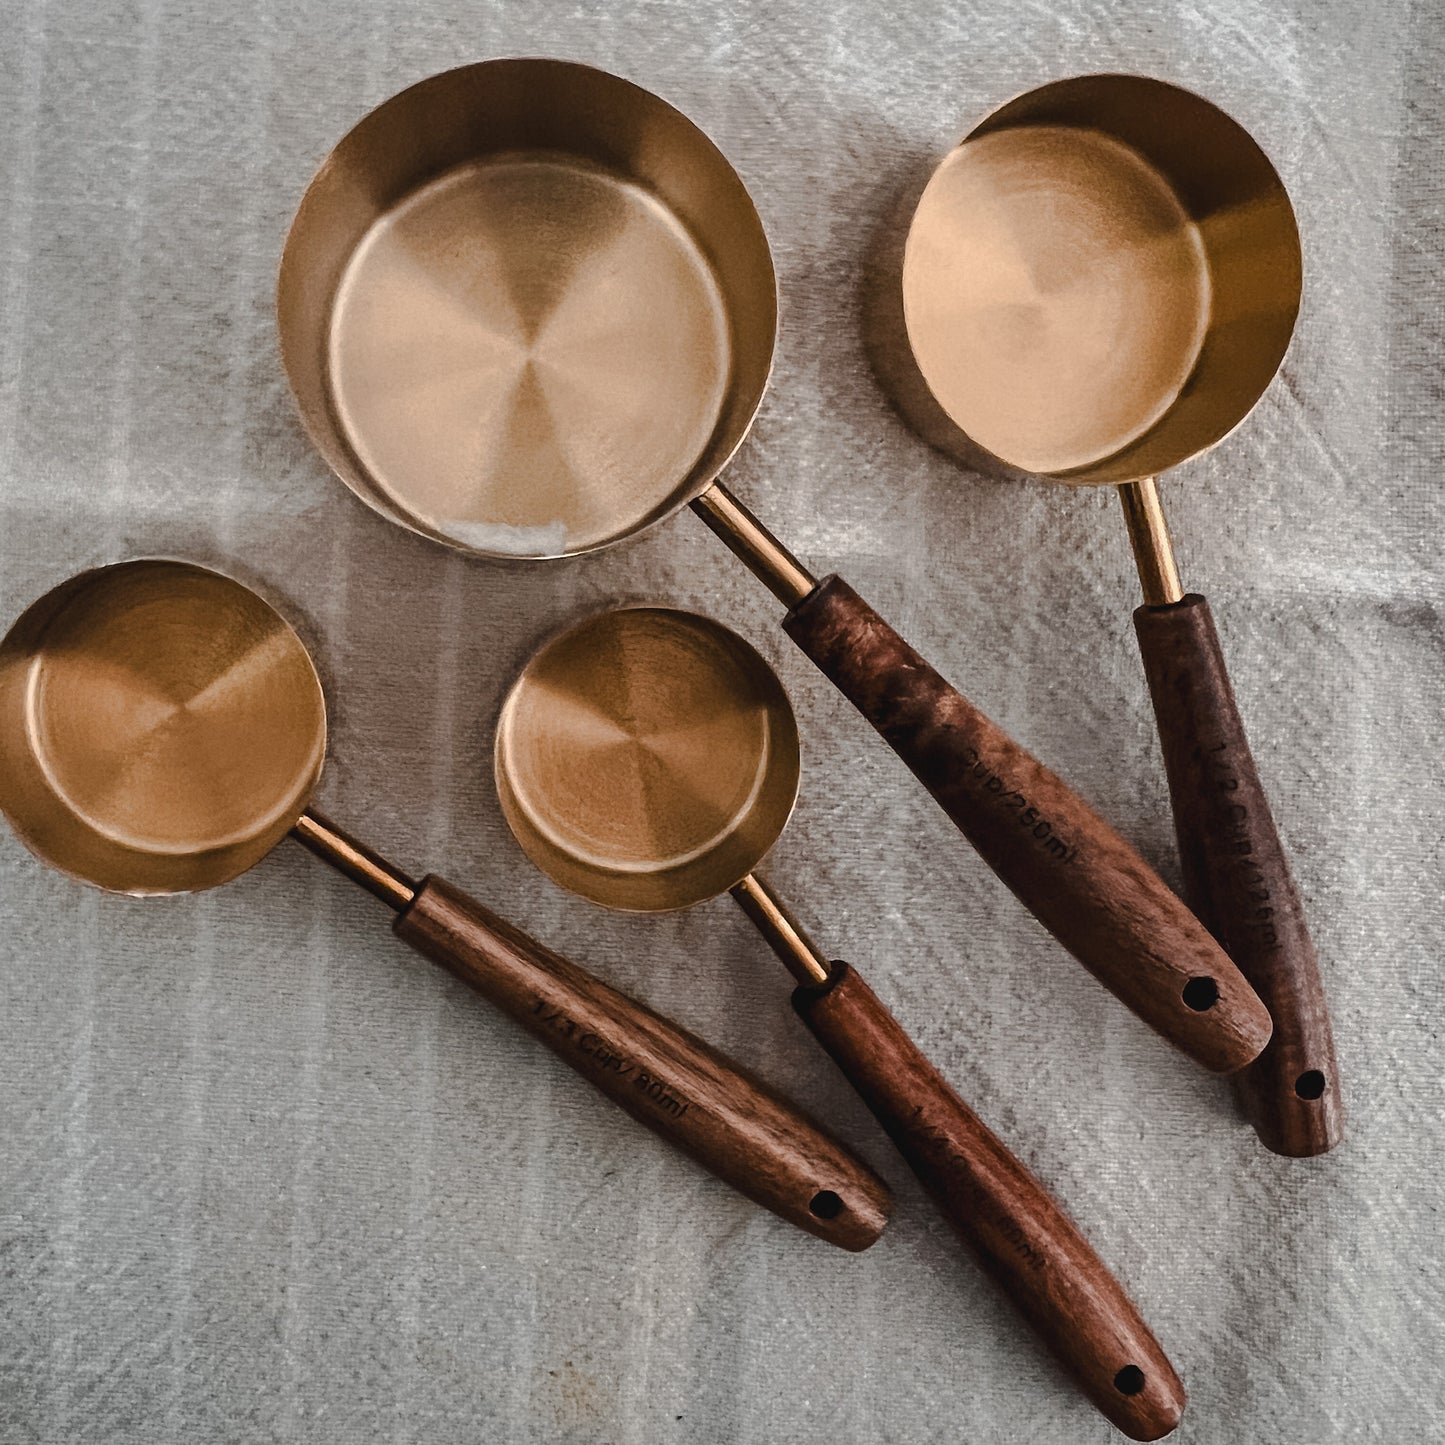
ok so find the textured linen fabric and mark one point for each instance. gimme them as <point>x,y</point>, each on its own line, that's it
<point>266,1176</point>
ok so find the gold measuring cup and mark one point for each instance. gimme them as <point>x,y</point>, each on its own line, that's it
<point>162,728</point>
<point>648,759</point>
<point>528,309</point>
<point>1098,283</point>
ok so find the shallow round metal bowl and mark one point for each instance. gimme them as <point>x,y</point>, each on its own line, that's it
<point>161,727</point>
<point>647,759</point>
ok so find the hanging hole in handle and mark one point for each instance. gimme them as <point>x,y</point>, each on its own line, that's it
<point>825,1205</point>
<point>1201,994</point>
<point>1129,1380</point>
<point>1310,1084</point>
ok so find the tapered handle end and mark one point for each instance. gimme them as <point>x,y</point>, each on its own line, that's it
<point>1296,1109</point>
<point>1079,878</point>
<point>679,1086</point>
<point>1018,1232</point>
<point>1237,877</point>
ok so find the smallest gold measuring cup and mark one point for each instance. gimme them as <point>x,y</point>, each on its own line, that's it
<point>648,759</point>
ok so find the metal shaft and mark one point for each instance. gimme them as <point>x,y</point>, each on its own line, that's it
<point>770,561</point>
<point>354,859</point>
<point>783,932</point>
<point>1149,537</point>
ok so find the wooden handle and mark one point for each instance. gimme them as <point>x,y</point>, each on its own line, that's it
<point>668,1079</point>
<point>1020,1235</point>
<point>1237,878</point>
<point>1082,881</point>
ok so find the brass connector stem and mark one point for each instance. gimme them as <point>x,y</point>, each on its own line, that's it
<point>356,861</point>
<point>780,571</point>
<point>1149,537</point>
<point>781,929</point>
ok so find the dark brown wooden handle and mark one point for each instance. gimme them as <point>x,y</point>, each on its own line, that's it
<point>668,1079</point>
<point>1083,882</point>
<point>1006,1217</point>
<point>1237,878</point>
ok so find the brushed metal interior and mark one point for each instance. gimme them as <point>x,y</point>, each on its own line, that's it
<point>647,759</point>
<point>527,308</point>
<point>161,727</point>
<point>1097,284</point>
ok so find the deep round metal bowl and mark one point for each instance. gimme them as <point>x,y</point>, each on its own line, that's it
<point>527,308</point>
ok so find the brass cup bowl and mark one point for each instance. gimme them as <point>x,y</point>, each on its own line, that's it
<point>162,727</point>
<point>1097,284</point>
<point>527,308</point>
<point>647,759</point>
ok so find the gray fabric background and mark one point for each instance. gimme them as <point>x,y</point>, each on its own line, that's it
<point>265,1176</point>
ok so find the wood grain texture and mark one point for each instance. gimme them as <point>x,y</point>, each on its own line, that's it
<point>1083,882</point>
<point>666,1078</point>
<point>1008,1219</point>
<point>1238,880</point>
